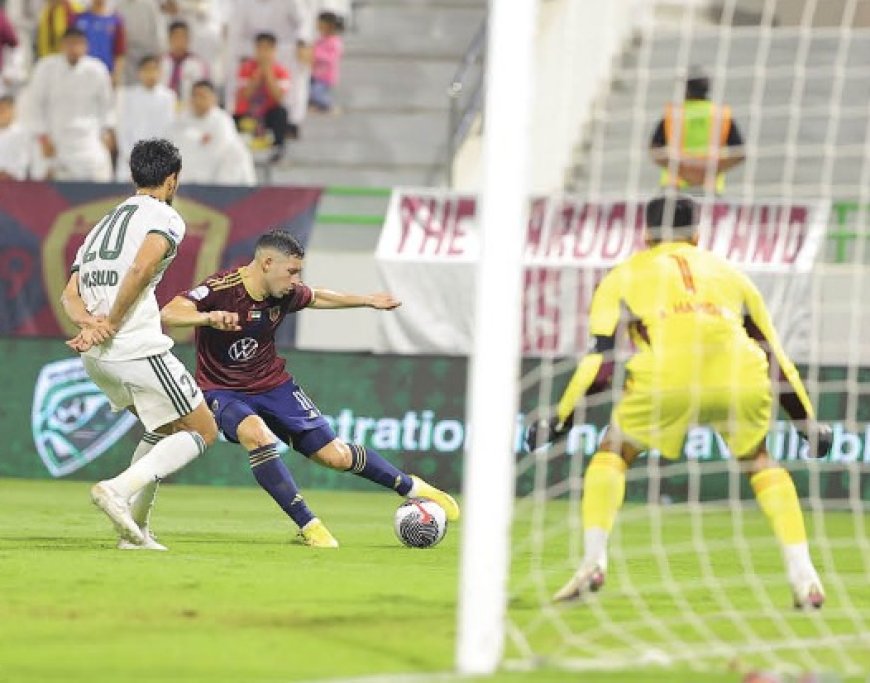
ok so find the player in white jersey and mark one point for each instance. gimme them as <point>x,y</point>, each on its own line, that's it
<point>110,297</point>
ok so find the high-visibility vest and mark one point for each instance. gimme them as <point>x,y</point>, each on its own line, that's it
<point>698,128</point>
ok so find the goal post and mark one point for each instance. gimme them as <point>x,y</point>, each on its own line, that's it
<point>696,579</point>
<point>488,481</point>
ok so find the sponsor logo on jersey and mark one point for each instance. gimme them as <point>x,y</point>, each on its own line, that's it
<point>214,406</point>
<point>243,349</point>
<point>274,313</point>
<point>71,419</point>
<point>254,315</point>
<point>199,293</point>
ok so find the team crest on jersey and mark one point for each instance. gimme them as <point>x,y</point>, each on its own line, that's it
<point>199,293</point>
<point>274,313</point>
<point>71,419</point>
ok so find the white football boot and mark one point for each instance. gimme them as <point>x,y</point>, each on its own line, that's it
<point>589,578</point>
<point>118,510</point>
<point>150,543</point>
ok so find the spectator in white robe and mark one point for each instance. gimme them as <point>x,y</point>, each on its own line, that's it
<point>180,68</point>
<point>212,150</point>
<point>293,23</point>
<point>146,32</point>
<point>145,110</point>
<point>72,111</point>
<point>16,143</point>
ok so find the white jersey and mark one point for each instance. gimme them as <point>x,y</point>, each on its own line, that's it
<point>105,257</point>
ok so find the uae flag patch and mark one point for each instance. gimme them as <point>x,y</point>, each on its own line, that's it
<point>254,315</point>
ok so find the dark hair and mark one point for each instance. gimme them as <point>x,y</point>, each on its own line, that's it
<point>266,38</point>
<point>153,161</point>
<point>203,83</point>
<point>697,84</point>
<point>7,99</point>
<point>179,25</point>
<point>74,32</point>
<point>671,215</point>
<point>334,21</point>
<point>281,240</point>
<point>148,59</point>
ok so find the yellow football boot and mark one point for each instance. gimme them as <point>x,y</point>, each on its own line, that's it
<point>421,489</point>
<point>316,535</point>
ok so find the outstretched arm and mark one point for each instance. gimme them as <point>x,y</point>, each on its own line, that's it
<point>594,371</point>
<point>182,312</point>
<point>326,298</point>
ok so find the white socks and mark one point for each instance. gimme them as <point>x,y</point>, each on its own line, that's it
<point>798,563</point>
<point>143,502</point>
<point>164,458</point>
<point>595,546</point>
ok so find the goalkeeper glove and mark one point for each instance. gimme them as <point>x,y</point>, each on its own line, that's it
<point>544,431</point>
<point>819,437</point>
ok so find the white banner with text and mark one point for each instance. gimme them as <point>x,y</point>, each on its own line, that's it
<point>430,244</point>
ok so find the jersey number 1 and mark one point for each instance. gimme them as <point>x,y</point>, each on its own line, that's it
<point>685,272</point>
<point>110,247</point>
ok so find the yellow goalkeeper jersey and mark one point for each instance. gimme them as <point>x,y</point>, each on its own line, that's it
<point>685,308</point>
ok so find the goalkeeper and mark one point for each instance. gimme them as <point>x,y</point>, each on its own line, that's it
<point>703,335</point>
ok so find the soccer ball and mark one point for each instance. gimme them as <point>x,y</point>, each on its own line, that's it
<point>420,523</point>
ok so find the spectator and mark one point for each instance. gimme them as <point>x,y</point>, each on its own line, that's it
<point>263,84</point>
<point>146,32</point>
<point>180,67</point>
<point>328,49</point>
<point>107,40</point>
<point>145,110</point>
<point>15,143</point>
<point>292,23</point>
<point>207,21</point>
<point>212,150</point>
<point>697,141</point>
<point>72,111</point>
<point>55,17</point>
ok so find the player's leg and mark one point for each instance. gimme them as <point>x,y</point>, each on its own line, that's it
<point>369,464</point>
<point>603,495</point>
<point>294,417</point>
<point>167,401</point>
<point>777,497</point>
<point>240,424</point>
<point>142,503</point>
<point>744,431</point>
<point>645,418</point>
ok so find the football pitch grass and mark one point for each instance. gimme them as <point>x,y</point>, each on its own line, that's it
<point>236,600</point>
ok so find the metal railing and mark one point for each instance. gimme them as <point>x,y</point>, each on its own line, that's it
<point>465,93</point>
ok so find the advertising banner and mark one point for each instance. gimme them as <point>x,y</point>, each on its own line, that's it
<point>43,224</point>
<point>430,243</point>
<point>55,423</point>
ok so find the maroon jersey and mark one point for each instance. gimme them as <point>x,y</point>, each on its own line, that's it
<point>245,360</point>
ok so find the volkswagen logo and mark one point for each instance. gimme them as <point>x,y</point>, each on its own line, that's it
<point>243,349</point>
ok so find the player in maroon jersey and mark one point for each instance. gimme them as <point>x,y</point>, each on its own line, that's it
<point>255,400</point>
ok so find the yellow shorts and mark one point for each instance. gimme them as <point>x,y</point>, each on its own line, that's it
<point>657,416</point>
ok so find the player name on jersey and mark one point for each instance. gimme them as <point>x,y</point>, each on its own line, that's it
<point>430,225</point>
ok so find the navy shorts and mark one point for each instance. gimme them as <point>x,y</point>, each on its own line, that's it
<point>286,410</point>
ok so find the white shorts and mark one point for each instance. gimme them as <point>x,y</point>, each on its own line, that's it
<point>159,387</point>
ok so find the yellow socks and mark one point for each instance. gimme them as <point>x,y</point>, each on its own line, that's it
<point>777,497</point>
<point>603,491</point>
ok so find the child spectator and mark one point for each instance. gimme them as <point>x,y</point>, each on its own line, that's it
<point>328,49</point>
<point>262,86</point>
<point>107,40</point>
